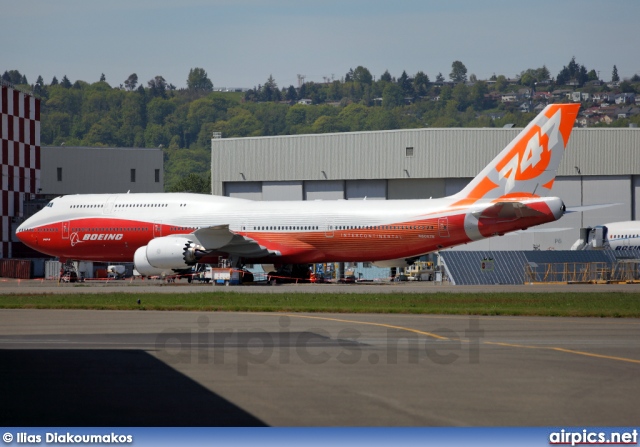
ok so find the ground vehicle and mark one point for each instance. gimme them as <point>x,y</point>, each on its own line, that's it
<point>226,276</point>
<point>202,273</point>
<point>116,271</point>
<point>348,279</point>
<point>69,276</point>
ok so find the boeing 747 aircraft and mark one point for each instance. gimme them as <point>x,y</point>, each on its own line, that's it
<point>170,232</point>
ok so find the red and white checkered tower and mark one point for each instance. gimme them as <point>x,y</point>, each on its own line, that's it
<point>20,133</point>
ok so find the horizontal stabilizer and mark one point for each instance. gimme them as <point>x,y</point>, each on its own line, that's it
<point>578,209</point>
<point>539,230</point>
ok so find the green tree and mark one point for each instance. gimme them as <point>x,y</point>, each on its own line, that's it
<point>296,116</point>
<point>458,72</point>
<point>192,182</point>
<point>157,87</point>
<point>392,96</point>
<point>362,75</point>
<point>292,94</point>
<point>460,94</point>
<point>269,91</point>
<point>421,83</point>
<point>501,83</point>
<point>158,109</point>
<point>56,128</point>
<point>156,136</point>
<point>381,119</point>
<point>477,95</point>
<point>206,110</point>
<point>66,83</point>
<point>354,117</point>
<point>14,77</point>
<point>406,84</point>
<point>242,123</point>
<point>102,133</point>
<point>386,76</point>
<point>627,87</point>
<point>198,80</point>
<point>328,124</point>
<point>179,163</point>
<point>614,75</point>
<point>131,82</point>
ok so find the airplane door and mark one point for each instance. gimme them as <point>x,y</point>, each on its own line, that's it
<point>157,229</point>
<point>443,226</point>
<point>329,230</point>
<point>108,206</point>
<point>65,230</point>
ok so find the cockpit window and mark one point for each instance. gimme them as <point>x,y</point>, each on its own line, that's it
<point>50,204</point>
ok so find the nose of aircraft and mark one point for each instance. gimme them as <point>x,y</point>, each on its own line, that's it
<point>24,235</point>
<point>20,233</point>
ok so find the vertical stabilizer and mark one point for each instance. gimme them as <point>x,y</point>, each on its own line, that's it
<point>527,167</point>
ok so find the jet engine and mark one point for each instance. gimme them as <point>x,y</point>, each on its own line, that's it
<point>167,253</point>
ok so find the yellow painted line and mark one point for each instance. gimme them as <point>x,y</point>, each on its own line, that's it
<point>511,345</point>
<point>601,356</point>
<point>570,351</point>
<point>439,337</point>
<point>415,331</point>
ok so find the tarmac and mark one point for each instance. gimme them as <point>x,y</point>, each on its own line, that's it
<point>158,368</point>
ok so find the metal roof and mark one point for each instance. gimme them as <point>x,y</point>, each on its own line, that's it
<point>437,153</point>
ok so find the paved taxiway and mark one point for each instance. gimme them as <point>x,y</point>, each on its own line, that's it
<point>145,368</point>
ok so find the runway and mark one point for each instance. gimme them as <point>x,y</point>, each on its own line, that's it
<point>145,368</point>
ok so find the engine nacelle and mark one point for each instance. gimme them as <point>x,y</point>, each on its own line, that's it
<point>143,267</point>
<point>173,253</point>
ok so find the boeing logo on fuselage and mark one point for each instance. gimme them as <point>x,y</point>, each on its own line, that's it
<point>102,237</point>
<point>628,247</point>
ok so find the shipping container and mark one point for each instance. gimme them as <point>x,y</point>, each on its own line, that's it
<point>15,268</point>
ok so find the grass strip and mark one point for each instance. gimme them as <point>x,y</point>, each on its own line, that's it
<point>568,304</point>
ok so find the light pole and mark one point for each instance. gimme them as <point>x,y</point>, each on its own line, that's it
<point>581,196</point>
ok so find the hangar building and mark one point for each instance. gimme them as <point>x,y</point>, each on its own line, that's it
<point>100,170</point>
<point>600,165</point>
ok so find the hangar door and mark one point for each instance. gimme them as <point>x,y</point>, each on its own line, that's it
<point>324,190</point>
<point>371,189</point>
<point>243,190</point>
<point>282,191</point>
<point>416,188</point>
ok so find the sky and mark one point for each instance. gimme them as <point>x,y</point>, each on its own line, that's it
<point>240,43</point>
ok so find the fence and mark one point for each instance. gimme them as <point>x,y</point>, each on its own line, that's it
<point>583,272</point>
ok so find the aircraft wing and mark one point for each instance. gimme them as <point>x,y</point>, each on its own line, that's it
<point>221,238</point>
<point>507,211</point>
